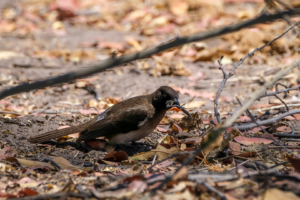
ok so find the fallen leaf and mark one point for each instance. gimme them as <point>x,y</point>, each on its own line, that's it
<point>295,163</point>
<point>161,152</point>
<point>137,186</point>
<point>161,129</point>
<point>30,163</point>
<point>96,144</point>
<point>244,119</point>
<point>178,7</point>
<point>64,164</point>
<point>181,174</point>
<point>116,156</point>
<point>234,147</point>
<point>248,141</point>
<point>283,129</point>
<point>27,192</point>
<point>276,194</point>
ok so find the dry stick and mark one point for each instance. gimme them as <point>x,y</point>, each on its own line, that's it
<point>270,136</point>
<point>115,61</point>
<point>260,92</point>
<point>279,91</point>
<point>286,90</point>
<point>226,76</point>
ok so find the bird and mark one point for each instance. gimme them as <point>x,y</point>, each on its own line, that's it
<point>127,121</point>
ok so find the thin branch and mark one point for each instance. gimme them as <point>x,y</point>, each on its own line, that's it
<point>260,92</point>
<point>226,76</point>
<point>279,91</point>
<point>113,61</point>
<point>268,121</point>
<point>269,135</point>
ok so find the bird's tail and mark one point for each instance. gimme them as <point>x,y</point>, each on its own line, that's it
<point>59,133</point>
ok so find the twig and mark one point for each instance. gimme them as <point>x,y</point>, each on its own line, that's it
<point>260,92</point>
<point>53,196</point>
<point>169,157</point>
<point>286,135</point>
<point>226,76</point>
<point>269,135</point>
<point>268,121</point>
<point>154,158</point>
<point>115,61</point>
<point>214,190</point>
<point>280,91</point>
<point>280,147</point>
<point>10,112</point>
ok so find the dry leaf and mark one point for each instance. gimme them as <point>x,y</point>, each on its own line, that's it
<point>161,152</point>
<point>276,194</point>
<point>248,141</point>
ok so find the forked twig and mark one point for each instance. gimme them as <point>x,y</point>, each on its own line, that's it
<point>226,76</point>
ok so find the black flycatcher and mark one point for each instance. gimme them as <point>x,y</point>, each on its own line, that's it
<point>129,120</point>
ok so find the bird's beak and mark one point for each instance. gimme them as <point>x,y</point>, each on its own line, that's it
<point>175,103</point>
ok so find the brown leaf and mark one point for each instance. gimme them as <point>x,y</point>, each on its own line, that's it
<point>283,129</point>
<point>235,147</point>
<point>96,144</point>
<point>244,119</point>
<point>116,156</point>
<point>161,129</point>
<point>276,194</point>
<point>161,152</point>
<point>27,192</point>
<point>137,186</point>
<point>181,174</point>
<point>64,164</point>
<point>178,7</point>
<point>176,128</point>
<point>295,163</point>
<point>30,163</point>
<point>248,141</point>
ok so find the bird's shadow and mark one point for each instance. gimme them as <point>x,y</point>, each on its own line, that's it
<point>130,148</point>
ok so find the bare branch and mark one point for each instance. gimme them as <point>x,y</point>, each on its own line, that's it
<point>268,121</point>
<point>260,92</point>
<point>226,76</point>
<point>112,62</point>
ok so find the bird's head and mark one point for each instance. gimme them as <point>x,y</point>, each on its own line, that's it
<point>166,97</point>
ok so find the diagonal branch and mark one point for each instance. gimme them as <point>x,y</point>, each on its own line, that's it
<point>260,92</point>
<point>112,62</point>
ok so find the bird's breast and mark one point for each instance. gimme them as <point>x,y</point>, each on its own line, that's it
<point>145,128</point>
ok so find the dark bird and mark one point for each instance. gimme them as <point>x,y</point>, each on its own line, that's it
<point>126,121</point>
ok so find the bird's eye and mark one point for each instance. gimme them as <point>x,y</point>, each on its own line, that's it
<point>165,96</point>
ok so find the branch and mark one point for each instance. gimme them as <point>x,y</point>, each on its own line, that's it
<point>260,92</point>
<point>226,76</point>
<point>112,62</point>
<point>268,121</point>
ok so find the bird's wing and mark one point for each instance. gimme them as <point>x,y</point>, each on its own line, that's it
<point>118,119</point>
